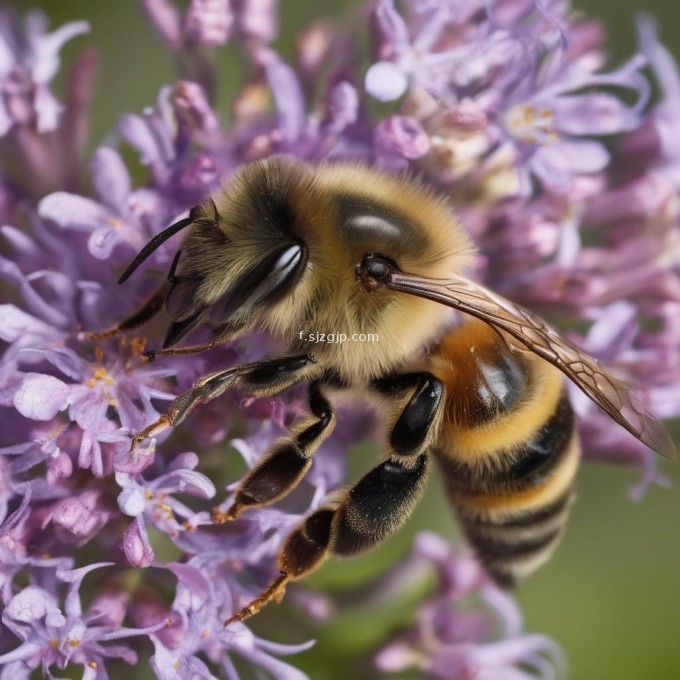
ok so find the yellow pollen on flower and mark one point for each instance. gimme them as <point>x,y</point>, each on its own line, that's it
<point>54,434</point>
<point>74,643</point>
<point>99,354</point>
<point>138,345</point>
<point>100,375</point>
<point>149,495</point>
<point>175,664</point>
<point>165,507</point>
<point>113,403</point>
<point>92,664</point>
<point>54,642</point>
<point>253,100</point>
<point>531,125</point>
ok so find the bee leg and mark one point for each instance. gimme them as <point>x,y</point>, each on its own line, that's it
<point>377,505</point>
<point>282,468</point>
<point>153,354</point>
<point>414,428</point>
<point>221,335</point>
<point>138,318</point>
<point>260,379</point>
<point>143,314</point>
<point>303,551</point>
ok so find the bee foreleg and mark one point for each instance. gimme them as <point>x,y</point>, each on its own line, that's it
<point>281,469</point>
<point>259,379</point>
<point>139,317</point>
<point>221,335</point>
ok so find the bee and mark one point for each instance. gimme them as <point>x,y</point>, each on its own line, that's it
<point>288,246</point>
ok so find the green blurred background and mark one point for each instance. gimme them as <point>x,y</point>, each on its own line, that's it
<point>611,596</point>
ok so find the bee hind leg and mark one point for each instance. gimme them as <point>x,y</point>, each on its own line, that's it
<point>377,506</point>
<point>374,508</point>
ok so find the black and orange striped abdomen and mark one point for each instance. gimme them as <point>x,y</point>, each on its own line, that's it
<point>507,447</point>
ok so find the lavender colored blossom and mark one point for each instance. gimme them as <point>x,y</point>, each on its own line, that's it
<point>29,61</point>
<point>519,76</point>
<point>449,641</point>
<point>40,136</point>
<point>210,22</point>
<point>56,636</point>
<point>564,175</point>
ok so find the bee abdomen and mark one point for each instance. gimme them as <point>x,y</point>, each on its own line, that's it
<point>513,503</point>
<point>514,547</point>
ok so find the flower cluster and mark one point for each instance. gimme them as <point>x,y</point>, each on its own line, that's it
<point>452,641</point>
<point>564,175</point>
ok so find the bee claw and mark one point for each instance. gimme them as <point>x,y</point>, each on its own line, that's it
<point>161,424</point>
<point>275,591</point>
<point>219,517</point>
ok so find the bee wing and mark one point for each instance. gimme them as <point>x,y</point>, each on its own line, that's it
<point>533,333</point>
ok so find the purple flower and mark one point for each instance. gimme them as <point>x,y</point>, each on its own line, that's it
<point>401,138</point>
<point>447,641</point>
<point>567,183</point>
<point>197,616</point>
<point>154,501</point>
<point>547,118</point>
<point>58,636</point>
<point>518,74</point>
<point>29,61</point>
<point>210,22</point>
<point>123,216</point>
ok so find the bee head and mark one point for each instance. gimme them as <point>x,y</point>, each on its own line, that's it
<point>241,255</point>
<point>283,247</point>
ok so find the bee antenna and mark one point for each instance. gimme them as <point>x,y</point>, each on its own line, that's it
<point>153,244</point>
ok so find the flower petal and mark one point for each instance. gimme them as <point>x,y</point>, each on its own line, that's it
<point>136,544</point>
<point>72,211</point>
<point>110,178</point>
<point>102,241</point>
<point>385,81</point>
<point>15,323</point>
<point>41,397</point>
<point>290,102</point>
